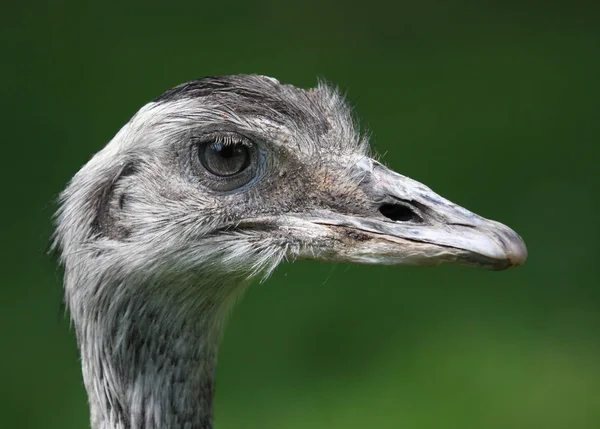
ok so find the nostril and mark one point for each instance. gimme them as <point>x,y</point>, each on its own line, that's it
<point>399,213</point>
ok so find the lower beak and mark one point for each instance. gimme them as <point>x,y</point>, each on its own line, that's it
<point>494,246</point>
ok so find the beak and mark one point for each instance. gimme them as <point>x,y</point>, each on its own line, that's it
<point>407,224</point>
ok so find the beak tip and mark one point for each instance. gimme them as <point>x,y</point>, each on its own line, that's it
<point>510,244</point>
<point>517,252</point>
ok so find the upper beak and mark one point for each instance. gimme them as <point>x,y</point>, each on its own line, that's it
<point>411,224</point>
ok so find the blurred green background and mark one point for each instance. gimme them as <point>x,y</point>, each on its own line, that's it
<point>495,105</point>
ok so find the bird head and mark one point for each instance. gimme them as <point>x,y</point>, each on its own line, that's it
<point>235,174</point>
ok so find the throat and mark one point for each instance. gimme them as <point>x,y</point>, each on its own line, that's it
<point>149,362</point>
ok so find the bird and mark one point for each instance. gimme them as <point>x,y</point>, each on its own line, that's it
<point>213,184</point>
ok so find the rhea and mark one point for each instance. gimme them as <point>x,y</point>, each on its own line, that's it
<point>212,184</point>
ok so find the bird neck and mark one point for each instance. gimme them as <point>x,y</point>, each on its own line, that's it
<point>149,355</point>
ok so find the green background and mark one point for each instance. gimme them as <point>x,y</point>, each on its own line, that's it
<point>495,105</point>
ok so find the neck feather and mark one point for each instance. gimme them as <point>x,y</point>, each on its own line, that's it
<point>149,352</point>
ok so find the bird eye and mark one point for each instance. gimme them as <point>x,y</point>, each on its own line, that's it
<point>224,159</point>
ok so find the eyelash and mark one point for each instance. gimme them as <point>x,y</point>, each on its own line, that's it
<point>224,138</point>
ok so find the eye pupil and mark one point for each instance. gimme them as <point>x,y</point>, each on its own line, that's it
<point>224,151</point>
<point>223,159</point>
